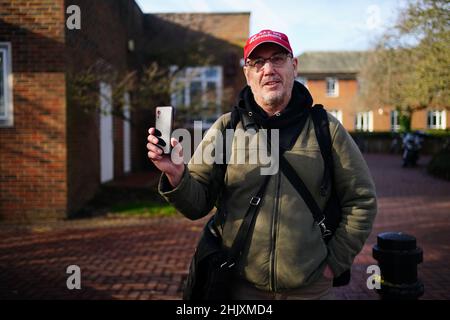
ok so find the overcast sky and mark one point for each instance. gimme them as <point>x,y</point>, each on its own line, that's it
<point>315,25</point>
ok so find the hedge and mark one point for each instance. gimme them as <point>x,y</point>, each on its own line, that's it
<point>439,165</point>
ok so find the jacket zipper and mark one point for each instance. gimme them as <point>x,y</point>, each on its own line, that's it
<point>274,235</point>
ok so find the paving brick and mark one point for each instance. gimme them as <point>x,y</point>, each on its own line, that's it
<point>149,258</point>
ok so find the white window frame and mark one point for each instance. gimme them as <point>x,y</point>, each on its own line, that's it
<point>337,114</point>
<point>197,74</point>
<point>364,121</point>
<point>126,134</point>
<point>441,119</point>
<point>106,130</point>
<point>395,120</point>
<point>335,91</point>
<point>6,118</point>
<point>303,81</point>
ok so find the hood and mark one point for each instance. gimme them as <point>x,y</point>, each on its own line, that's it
<point>301,100</point>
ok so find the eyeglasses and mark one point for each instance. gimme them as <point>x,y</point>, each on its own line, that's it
<point>277,60</point>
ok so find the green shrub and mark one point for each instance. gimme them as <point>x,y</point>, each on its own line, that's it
<point>375,134</point>
<point>438,133</point>
<point>143,209</point>
<point>439,165</point>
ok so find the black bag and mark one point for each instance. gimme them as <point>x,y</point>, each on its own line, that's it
<point>213,266</point>
<point>208,278</point>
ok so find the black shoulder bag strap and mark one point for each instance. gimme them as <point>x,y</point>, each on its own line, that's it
<point>254,203</point>
<point>244,230</point>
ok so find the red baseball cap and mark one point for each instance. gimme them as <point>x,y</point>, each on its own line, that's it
<point>265,36</point>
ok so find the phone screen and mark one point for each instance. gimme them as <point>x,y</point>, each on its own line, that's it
<point>164,123</point>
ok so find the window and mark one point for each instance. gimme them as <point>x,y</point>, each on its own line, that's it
<point>395,121</point>
<point>437,119</point>
<point>198,89</point>
<point>303,81</point>
<point>337,114</point>
<point>6,101</point>
<point>332,87</point>
<point>364,121</point>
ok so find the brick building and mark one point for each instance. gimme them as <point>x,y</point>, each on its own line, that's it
<point>332,78</point>
<point>54,155</point>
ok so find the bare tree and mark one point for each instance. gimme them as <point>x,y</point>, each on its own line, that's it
<point>409,67</point>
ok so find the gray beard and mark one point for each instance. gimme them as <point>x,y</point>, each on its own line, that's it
<point>273,100</point>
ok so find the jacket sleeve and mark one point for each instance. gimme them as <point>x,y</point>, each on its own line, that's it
<point>356,191</point>
<point>202,179</point>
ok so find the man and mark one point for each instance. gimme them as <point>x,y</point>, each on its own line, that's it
<point>285,256</point>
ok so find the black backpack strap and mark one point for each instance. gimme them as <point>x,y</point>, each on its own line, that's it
<point>301,188</point>
<point>235,118</point>
<point>322,129</point>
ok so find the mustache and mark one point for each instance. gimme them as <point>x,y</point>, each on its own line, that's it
<point>271,80</point>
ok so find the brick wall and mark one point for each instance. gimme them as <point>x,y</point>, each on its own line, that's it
<point>231,27</point>
<point>420,118</point>
<point>218,36</point>
<point>348,89</point>
<point>106,27</point>
<point>344,101</point>
<point>49,159</point>
<point>33,151</point>
<point>381,121</point>
<point>186,40</point>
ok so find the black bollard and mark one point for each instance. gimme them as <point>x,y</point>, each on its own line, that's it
<point>398,257</point>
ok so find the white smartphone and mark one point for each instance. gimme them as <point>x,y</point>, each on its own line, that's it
<point>164,123</point>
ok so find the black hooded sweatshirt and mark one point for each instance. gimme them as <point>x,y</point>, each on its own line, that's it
<point>289,121</point>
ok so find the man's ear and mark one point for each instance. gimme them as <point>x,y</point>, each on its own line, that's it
<point>246,71</point>
<point>295,63</point>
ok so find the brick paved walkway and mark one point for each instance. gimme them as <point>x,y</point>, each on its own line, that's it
<point>148,258</point>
